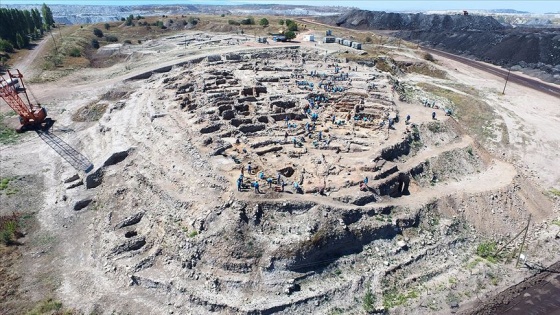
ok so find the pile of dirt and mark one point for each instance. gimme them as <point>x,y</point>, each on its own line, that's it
<point>521,49</point>
<point>481,37</point>
<point>380,20</point>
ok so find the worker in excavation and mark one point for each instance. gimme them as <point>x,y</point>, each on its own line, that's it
<point>256,185</point>
<point>239,183</point>
<point>433,115</point>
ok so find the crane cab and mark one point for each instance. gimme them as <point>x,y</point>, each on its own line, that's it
<point>14,93</point>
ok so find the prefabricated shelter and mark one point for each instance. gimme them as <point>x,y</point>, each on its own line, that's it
<point>328,33</point>
<point>309,38</point>
<point>347,42</point>
<point>279,38</point>
<point>356,45</point>
<point>328,39</point>
<point>339,40</point>
<point>262,40</point>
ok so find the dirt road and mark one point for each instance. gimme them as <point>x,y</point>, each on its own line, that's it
<point>24,64</point>
<point>512,77</point>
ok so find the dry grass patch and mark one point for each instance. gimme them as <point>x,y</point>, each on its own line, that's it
<point>90,112</point>
<point>474,114</point>
<point>422,68</point>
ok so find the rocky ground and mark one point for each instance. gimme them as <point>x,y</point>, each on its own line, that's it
<point>160,226</point>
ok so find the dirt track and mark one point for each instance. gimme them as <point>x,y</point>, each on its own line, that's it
<point>512,77</point>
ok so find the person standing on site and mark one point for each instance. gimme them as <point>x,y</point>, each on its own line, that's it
<point>256,185</point>
<point>239,183</point>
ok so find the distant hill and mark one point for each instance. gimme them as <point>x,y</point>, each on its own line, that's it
<point>84,14</point>
<point>380,20</point>
<point>508,11</point>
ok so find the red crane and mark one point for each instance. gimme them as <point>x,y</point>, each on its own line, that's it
<point>14,93</point>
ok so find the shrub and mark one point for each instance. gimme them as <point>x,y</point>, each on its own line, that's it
<point>6,46</point>
<point>111,38</point>
<point>233,22</point>
<point>429,57</point>
<point>290,35</point>
<point>292,26</point>
<point>128,41</point>
<point>75,52</point>
<point>248,21</point>
<point>95,43</point>
<point>369,300</point>
<point>368,39</point>
<point>193,20</point>
<point>8,230</point>
<point>487,250</point>
<point>107,26</point>
<point>97,32</point>
<point>263,22</point>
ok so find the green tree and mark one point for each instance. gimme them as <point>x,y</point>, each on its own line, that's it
<point>47,15</point>
<point>292,26</point>
<point>193,20</point>
<point>290,35</point>
<point>107,26</point>
<point>20,42</point>
<point>97,32</point>
<point>281,22</point>
<point>263,22</point>
<point>6,46</point>
<point>248,21</point>
<point>129,20</point>
<point>95,43</point>
<point>37,22</point>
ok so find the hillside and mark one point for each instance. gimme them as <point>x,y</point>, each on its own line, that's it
<point>533,51</point>
<point>379,20</point>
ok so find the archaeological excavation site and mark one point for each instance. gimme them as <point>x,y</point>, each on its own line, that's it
<point>234,177</point>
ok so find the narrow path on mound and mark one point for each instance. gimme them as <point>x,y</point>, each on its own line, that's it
<point>498,175</point>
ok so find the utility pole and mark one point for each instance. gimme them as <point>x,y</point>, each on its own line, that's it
<point>523,242</point>
<point>507,78</point>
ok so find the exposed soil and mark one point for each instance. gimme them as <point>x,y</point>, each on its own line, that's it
<point>159,225</point>
<point>533,51</point>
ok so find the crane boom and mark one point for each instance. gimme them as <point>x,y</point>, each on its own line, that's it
<point>11,90</point>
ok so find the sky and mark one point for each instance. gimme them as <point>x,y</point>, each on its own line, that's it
<point>379,5</point>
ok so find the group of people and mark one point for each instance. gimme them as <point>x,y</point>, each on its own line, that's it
<point>260,176</point>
